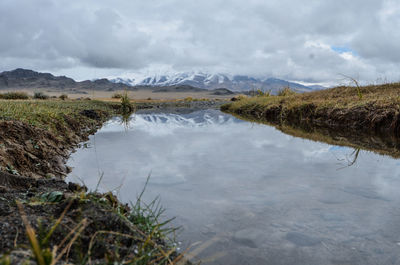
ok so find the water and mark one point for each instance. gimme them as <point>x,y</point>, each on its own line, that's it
<point>248,194</point>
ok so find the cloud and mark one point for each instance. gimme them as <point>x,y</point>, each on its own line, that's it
<point>287,38</point>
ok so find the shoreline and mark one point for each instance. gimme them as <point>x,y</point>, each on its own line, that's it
<point>336,112</point>
<point>387,145</point>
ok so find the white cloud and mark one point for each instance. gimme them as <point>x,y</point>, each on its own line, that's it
<point>285,39</point>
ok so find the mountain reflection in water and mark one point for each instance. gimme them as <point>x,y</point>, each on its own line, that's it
<point>246,193</point>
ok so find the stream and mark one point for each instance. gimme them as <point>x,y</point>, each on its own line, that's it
<point>246,193</point>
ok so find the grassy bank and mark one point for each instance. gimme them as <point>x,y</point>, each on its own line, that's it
<point>37,135</point>
<point>367,109</point>
<point>48,114</point>
<point>44,220</point>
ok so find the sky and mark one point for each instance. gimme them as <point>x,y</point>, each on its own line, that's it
<point>311,41</point>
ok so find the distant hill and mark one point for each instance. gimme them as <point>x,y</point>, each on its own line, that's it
<point>28,79</point>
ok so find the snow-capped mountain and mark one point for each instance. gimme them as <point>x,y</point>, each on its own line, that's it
<point>211,81</point>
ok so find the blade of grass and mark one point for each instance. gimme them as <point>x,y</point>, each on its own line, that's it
<point>56,224</point>
<point>30,232</point>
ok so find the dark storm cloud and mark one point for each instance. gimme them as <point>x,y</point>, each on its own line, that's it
<point>286,38</point>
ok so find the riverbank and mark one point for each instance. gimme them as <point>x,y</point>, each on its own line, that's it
<point>367,109</point>
<point>387,145</point>
<point>70,224</point>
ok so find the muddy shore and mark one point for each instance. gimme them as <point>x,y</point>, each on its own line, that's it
<point>32,171</point>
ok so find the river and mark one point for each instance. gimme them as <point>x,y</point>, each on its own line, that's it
<point>245,193</point>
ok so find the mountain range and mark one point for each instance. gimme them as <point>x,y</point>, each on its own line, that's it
<point>184,82</point>
<point>214,81</point>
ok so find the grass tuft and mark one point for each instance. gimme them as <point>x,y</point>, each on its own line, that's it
<point>126,105</point>
<point>146,216</point>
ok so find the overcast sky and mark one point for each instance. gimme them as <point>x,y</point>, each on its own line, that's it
<point>309,41</point>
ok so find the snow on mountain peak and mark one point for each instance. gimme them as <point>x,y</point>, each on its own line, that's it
<point>208,81</point>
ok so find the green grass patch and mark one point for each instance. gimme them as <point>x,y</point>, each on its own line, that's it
<point>50,114</point>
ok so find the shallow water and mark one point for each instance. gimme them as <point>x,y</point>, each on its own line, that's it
<point>248,194</point>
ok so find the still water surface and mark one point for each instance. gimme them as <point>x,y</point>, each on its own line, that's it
<point>248,194</point>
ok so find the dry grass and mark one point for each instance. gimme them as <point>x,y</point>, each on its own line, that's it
<point>338,97</point>
<point>346,96</point>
